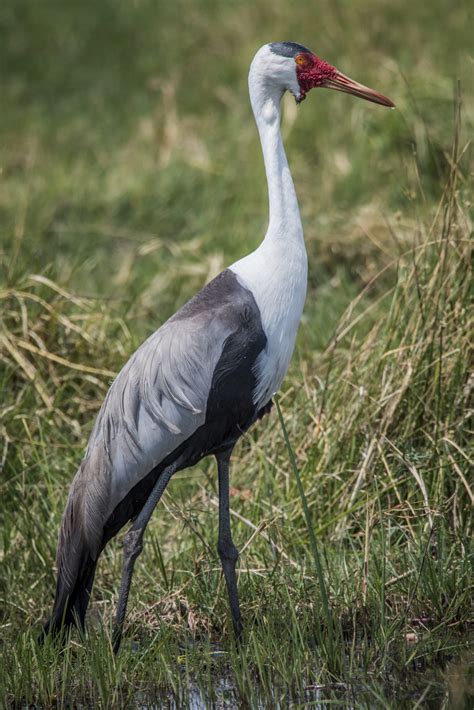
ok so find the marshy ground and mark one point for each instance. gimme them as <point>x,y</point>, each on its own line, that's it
<point>130,174</point>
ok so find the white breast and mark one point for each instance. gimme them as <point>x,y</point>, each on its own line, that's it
<point>277,278</point>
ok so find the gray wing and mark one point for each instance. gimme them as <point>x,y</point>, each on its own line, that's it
<point>157,401</point>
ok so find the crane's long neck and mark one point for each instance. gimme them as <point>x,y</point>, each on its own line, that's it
<point>284,215</point>
<point>276,272</point>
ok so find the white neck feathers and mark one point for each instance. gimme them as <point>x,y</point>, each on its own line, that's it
<point>276,273</point>
<point>265,97</point>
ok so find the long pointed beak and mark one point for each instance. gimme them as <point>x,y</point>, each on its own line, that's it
<point>341,82</point>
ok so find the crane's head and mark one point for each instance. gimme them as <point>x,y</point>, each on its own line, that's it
<point>295,68</point>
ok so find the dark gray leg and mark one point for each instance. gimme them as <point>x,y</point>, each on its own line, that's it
<point>226,548</point>
<point>132,546</point>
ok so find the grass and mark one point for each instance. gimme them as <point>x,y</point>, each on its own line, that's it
<point>130,175</point>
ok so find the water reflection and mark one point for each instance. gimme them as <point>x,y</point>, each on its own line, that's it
<point>433,688</point>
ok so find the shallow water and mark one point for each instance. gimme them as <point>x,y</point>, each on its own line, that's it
<point>450,686</point>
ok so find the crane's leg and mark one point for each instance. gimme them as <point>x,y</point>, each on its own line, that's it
<point>226,548</point>
<point>132,547</point>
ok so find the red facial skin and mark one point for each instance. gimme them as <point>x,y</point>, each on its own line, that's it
<point>311,72</point>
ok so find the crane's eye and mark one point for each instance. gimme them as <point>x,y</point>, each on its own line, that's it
<point>301,59</point>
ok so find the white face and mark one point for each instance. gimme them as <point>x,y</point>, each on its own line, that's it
<point>275,69</point>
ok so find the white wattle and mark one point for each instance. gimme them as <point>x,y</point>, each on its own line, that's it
<point>276,272</point>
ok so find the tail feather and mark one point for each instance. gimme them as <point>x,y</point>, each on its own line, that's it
<point>76,564</point>
<point>71,600</point>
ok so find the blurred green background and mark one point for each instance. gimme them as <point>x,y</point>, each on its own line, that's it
<point>127,137</point>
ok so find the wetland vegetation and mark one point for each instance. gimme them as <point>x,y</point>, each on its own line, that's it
<point>130,174</point>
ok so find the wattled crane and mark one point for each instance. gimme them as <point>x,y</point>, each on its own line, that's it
<point>205,376</point>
